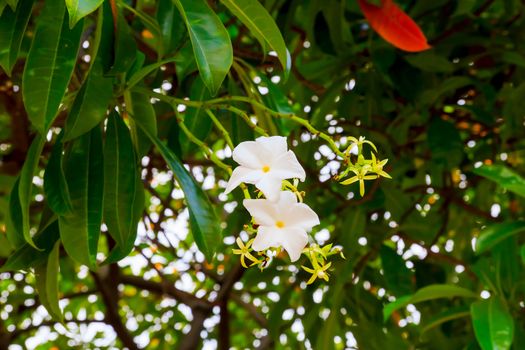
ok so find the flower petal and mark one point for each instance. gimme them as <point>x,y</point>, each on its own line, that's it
<point>262,210</point>
<point>293,241</point>
<point>267,237</point>
<point>270,186</point>
<point>286,166</point>
<point>286,201</point>
<point>242,174</point>
<point>249,154</point>
<point>301,216</point>
<point>275,145</point>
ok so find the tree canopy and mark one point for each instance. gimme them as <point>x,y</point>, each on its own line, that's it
<point>289,174</point>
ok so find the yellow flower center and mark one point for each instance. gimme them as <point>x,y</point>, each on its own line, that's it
<point>266,169</point>
<point>279,224</point>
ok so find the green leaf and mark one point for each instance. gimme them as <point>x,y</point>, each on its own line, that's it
<point>80,228</point>
<point>46,277</point>
<point>445,143</point>
<point>204,222</point>
<point>25,185</point>
<point>430,61</point>
<point>503,176</point>
<point>123,191</point>
<point>445,316</point>
<point>494,234</point>
<point>143,72</point>
<point>14,223</point>
<point>12,29</point>
<point>171,25</point>
<point>12,4</point>
<point>196,119</point>
<point>120,47</point>
<point>3,5</point>
<point>493,325</point>
<point>26,256</point>
<point>210,40</point>
<point>255,17</point>
<point>434,291</point>
<point>398,277</point>
<point>49,64</point>
<point>90,105</point>
<point>79,9</point>
<point>55,185</point>
<point>142,112</point>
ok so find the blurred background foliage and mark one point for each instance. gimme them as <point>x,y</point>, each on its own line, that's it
<point>434,259</point>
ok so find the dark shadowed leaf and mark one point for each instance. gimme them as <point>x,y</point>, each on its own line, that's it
<point>55,185</point>
<point>12,29</point>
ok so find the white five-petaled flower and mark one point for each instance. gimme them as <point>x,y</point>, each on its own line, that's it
<point>282,223</point>
<point>265,162</point>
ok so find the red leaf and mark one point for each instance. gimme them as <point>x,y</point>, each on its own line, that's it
<point>394,25</point>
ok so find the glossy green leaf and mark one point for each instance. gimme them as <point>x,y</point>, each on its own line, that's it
<point>12,29</point>
<point>205,224</point>
<point>493,325</point>
<point>25,186</point>
<point>49,64</point>
<point>123,190</point>
<point>494,234</point>
<point>55,185</point>
<point>80,228</point>
<point>255,17</point>
<point>79,9</point>
<point>46,278</point>
<point>26,256</point>
<point>211,43</point>
<point>90,105</point>
<point>171,25</point>
<point>435,291</point>
<point>503,176</point>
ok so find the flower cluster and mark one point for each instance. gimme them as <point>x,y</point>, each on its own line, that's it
<point>363,169</point>
<point>280,219</point>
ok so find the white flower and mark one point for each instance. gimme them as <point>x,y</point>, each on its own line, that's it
<point>282,223</point>
<point>265,162</point>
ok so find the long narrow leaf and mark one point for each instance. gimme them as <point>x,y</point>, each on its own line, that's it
<point>49,65</point>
